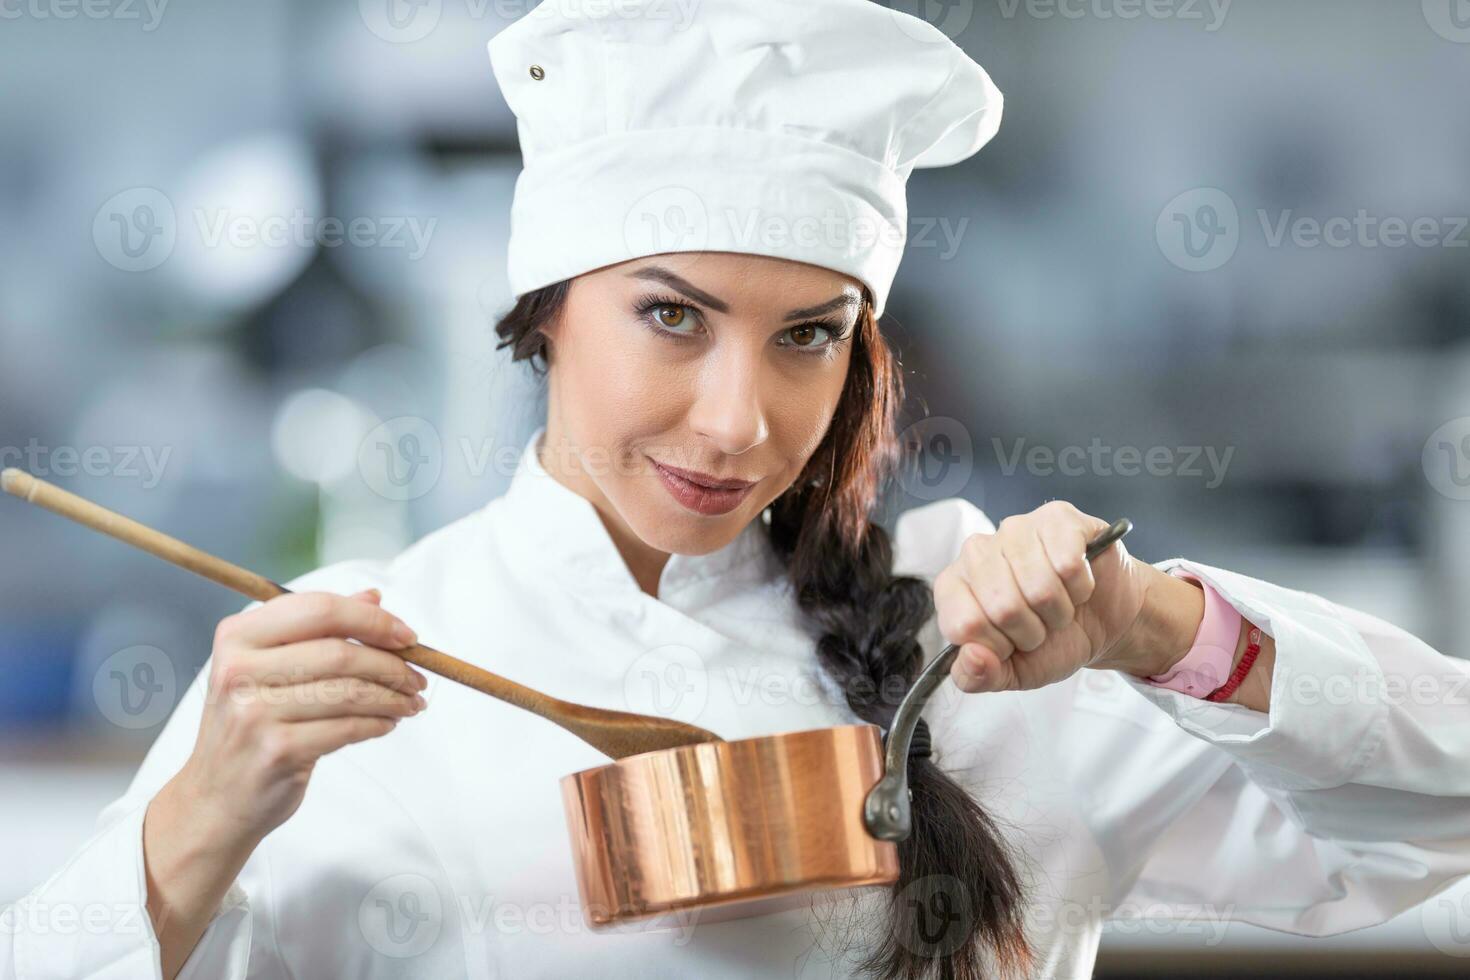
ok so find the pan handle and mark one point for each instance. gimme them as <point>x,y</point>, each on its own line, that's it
<point>886,809</point>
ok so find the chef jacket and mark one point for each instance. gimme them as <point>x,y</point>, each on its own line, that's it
<point>441,849</point>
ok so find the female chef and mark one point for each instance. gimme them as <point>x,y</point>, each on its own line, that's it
<point>703,239</point>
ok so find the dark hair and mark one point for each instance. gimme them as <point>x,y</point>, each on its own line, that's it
<point>840,563</point>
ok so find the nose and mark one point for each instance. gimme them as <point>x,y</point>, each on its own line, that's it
<point>728,409</point>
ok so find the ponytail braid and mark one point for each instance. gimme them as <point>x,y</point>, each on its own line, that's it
<point>955,869</point>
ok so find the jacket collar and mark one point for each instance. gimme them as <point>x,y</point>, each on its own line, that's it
<point>551,526</point>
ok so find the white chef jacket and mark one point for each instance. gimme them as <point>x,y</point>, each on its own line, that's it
<point>441,850</point>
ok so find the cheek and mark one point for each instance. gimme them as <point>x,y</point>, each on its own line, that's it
<point>617,389</point>
<point>801,415</point>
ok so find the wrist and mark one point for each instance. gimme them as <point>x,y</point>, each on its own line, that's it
<point>195,826</point>
<point>190,859</point>
<point>1164,629</point>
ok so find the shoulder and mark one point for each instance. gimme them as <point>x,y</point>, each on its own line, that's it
<point>928,538</point>
<point>426,561</point>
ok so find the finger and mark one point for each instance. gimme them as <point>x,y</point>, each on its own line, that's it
<point>963,621</point>
<point>1066,546</point>
<point>1066,648</point>
<point>1040,584</point>
<point>300,616</point>
<point>308,741</point>
<point>980,670</point>
<point>961,618</point>
<point>339,697</point>
<point>309,660</point>
<point>994,585</point>
<point>968,672</point>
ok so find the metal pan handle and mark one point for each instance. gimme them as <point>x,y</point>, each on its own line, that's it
<point>886,810</point>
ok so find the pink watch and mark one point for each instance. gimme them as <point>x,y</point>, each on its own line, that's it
<point>1207,664</point>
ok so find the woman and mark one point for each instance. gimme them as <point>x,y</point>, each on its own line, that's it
<point>690,534</point>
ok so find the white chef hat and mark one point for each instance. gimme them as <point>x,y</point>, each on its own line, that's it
<point>786,129</point>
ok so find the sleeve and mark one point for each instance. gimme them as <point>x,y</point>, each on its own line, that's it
<point>1343,806</point>
<point>90,919</point>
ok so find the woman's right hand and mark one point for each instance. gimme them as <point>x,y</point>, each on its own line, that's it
<point>286,688</point>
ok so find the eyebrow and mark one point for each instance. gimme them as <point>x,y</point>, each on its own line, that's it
<point>658,273</point>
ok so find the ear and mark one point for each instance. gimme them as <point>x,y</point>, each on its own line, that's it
<point>549,330</point>
<point>552,327</point>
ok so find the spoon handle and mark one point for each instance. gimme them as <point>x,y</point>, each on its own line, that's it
<point>34,490</point>
<point>886,811</point>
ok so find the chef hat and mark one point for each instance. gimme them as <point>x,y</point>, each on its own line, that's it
<point>780,129</point>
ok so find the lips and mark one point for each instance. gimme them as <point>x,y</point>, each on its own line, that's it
<point>700,492</point>
<point>704,479</point>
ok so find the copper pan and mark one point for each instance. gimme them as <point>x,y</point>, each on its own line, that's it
<point>729,829</point>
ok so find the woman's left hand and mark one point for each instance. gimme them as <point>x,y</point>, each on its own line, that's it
<point>1029,609</point>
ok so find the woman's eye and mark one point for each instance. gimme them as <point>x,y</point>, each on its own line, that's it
<point>670,316</point>
<point>668,319</point>
<point>806,335</point>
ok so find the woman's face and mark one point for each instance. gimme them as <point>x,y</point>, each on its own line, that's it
<point>724,365</point>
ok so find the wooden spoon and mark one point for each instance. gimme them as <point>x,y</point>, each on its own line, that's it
<point>617,733</point>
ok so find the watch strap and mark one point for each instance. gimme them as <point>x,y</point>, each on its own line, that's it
<point>1207,664</point>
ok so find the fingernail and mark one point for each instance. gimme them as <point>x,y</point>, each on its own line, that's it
<point>423,681</point>
<point>419,704</point>
<point>403,634</point>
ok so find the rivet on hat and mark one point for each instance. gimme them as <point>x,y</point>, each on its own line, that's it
<point>537,72</point>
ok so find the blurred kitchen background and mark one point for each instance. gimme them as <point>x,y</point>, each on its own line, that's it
<point>1213,275</point>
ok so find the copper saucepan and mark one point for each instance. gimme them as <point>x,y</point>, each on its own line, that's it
<point>729,829</point>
